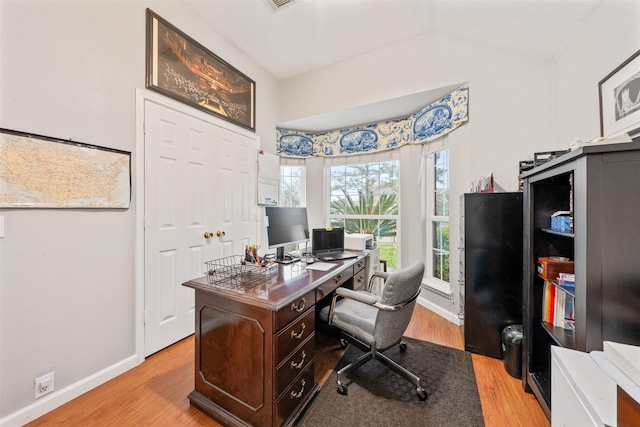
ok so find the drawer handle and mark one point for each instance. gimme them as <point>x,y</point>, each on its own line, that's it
<point>360,279</point>
<point>338,278</point>
<point>298,365</point>
<point>300,307</point>
<point>298,336</point>
<point>360,264</point>
<point>299,394</point>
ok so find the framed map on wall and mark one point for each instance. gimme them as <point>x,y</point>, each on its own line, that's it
<point>43,172</point>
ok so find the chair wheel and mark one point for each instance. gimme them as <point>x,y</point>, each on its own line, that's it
<point>403,346</point>
<point>342,389</point>
<point>422,393</point>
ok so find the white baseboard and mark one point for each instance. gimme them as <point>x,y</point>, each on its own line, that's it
<point>450,316</point>
<point>62,396</point>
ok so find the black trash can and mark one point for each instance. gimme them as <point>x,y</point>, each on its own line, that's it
<point>512,350</point>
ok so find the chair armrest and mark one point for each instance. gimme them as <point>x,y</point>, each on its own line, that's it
<point>360,296</point>
<point>398,306</point>
<point>382,274</point>
<point>377,275</point>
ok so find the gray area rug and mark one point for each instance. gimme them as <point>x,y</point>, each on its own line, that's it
<point>379,397</point>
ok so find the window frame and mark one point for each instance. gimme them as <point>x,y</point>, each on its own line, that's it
<point>287,163</point>
<point>303,184</point>
<point>392,155</point>
<point>430,190</point>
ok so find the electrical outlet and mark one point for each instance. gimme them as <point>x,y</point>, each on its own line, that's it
<point>44,384</point>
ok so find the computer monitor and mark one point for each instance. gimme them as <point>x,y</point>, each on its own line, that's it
<point>286,226</point>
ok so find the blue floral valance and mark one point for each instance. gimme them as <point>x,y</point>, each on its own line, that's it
<point>427,124</point>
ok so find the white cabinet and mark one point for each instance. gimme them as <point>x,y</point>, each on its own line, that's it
<point>581,393</point>
<point>373,261</point>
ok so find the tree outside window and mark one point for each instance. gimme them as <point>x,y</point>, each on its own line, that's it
<point>292,186</point>
<point>440,217</point>
<point>364,199</point>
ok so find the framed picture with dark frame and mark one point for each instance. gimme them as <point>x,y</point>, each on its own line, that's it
<point>619,94</point>
<point>38,171</point>
<point>183,69</point>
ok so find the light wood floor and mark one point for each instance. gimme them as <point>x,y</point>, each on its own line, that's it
<point>155,392</point>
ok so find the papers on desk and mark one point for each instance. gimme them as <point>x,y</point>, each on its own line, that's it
<point>322,266</point>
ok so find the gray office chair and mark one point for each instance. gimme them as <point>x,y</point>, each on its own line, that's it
<point>377,322</point>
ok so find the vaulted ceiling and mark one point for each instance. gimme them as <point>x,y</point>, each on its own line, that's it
<point>305,35</point>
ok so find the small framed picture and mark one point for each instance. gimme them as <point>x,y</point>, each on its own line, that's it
<point>620,99</point>
<point>183,69</point>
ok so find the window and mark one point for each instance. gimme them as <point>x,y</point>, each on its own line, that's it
<point>364,199</point>
<point>292,192</point>
<point>438,218</point>
<point>292,186</point>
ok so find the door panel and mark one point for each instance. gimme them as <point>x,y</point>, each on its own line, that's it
<point>237,192</point>
<point>183,199</point>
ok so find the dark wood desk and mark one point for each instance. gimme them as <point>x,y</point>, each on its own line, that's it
<point>254,356</point>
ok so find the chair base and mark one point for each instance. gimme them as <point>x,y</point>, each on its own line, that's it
<point>373,353</point>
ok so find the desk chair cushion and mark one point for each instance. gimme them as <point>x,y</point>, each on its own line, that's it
<point>355,317</point>
<point>324,312</point>
<point>356,314</point>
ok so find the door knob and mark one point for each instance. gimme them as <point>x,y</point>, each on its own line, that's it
<point>208,234</point>
<point>219,233</point>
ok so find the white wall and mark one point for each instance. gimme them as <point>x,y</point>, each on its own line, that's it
<point>509,94</point>
<point>518,106</point>
<point>509,116</point>
<point>70,69</point>
<point>610,37</point>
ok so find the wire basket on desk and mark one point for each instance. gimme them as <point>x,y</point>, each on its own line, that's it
<point>234,273</point>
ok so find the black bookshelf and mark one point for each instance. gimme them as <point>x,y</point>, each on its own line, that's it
<point>600,186</point>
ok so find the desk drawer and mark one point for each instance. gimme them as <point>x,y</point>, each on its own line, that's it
<point>293,365</point>
<point>360,265</point>
<point>294,395</point>
<point>360,280</point>
<point>292,336</point>
<point>332,283</point>
<point>286,314</point>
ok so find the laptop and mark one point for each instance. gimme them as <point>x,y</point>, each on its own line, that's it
<point>328,244</point>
